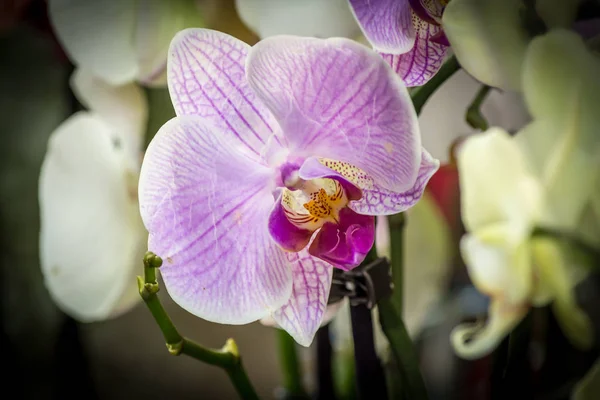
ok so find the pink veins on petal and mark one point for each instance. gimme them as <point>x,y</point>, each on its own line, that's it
<point>272,172</point>
<point>407,33</point>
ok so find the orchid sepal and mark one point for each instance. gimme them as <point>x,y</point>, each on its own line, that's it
<point>234,191</point>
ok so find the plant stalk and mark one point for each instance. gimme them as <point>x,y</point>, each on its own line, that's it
<point>227,358</point>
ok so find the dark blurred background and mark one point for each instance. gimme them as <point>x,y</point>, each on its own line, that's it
<point>48,355</point>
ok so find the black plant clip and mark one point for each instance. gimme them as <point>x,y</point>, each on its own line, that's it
<point>365,284</point>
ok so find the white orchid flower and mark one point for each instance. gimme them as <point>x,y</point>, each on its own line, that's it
<point>545,177</point>
<point>92,239</point>
<point>316,18</point>
<point>121,40</point>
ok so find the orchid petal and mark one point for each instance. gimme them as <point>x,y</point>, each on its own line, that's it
<point>156,25</point>
<point>496,184</point>
<point>498,265</point>
<point>562,91</point>
<point>387,24</point>
<point>374,200</point>
<point>284,233</point>
<point>330,313</point>
<point>206,78</point>
<point>124,108</point>
<point>557,275</point>
<point>98,36</point>
<point>472,341</point>
<point>92,237</point>
<point>418,65</point>
<point>379,201</point>
<point>488,39</point>
<point>346,244</point>
<point>318,18</point>
<point>337,99</point>
<point>302,315</point>
<point>501,268</point>
<point>206,206</point>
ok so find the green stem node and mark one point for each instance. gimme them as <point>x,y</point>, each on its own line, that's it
<point>227,358</point>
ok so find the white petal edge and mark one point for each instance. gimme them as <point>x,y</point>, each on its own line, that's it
<point>318,18</point>
<point>98,35</point>
<point>304,312</point>
<point>92,238</point>
<point>124,108</point>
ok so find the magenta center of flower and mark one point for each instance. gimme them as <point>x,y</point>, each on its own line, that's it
<point>343,237</point>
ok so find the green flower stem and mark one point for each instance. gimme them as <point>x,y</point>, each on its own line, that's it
<point>390,311</point>
<point>421,94</point>
<point>403,350</point>
<point>292,375</point>
<point>396,223</point>
<point>474,117</point>
<point>227,358</point>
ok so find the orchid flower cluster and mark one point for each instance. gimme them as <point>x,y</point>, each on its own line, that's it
<point>282,154</point>
<point>545,178</point>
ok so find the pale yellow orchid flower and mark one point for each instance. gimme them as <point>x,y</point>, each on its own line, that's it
<point>502,203</point>
<point>545,177</point>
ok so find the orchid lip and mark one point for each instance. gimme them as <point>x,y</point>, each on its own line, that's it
<point>345,244</point>
<point>320,205</point>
